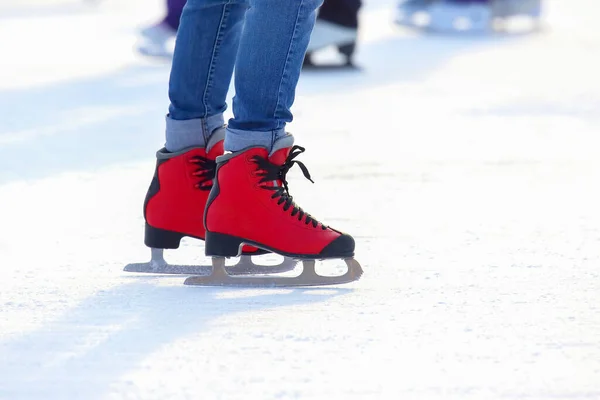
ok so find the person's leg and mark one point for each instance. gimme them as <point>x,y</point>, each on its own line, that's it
<point>249,202</point>
<point>205,52</point>
<point>204,57</point>
<point>272,48</point>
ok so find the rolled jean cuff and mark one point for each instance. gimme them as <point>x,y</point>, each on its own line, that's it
<point>237,139</point>
<point>188,132</point>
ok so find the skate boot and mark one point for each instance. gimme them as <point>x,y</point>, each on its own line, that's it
<point>250,204</point>
<point>155,39</point>
<point>450,16</point>
<point>174,208</point>
<point>446,16</point>
<point>504,10</point>
<point>327,34</point>
<point>408,10</point>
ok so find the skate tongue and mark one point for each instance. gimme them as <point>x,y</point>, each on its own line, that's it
<point>214,147</point>
<point>281,149</point>
<point>279,156</point>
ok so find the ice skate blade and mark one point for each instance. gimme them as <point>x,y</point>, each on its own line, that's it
<point>154,50</point>
<point>246,266</point>
<point>153,53</point>
<point>308,277</point>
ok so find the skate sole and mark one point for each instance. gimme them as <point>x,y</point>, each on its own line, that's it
<point>308,277</point>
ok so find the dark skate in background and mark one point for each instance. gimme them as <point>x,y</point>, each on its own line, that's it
<point>337,27</point>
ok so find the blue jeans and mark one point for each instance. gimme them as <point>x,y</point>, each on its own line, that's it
<point>265,41</point>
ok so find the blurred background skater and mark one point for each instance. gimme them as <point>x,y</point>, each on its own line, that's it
<point>336,26</point>
<point>466,15</point>
<point>157,37</point>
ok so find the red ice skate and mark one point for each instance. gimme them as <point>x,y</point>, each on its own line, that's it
<point>174,208</point>
<point>250,204</point>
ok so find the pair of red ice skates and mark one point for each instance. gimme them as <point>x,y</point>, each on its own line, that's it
<point>240,205</point>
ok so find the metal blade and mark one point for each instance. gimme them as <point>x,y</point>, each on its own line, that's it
<point>246,266</point>
<point>308,277</point>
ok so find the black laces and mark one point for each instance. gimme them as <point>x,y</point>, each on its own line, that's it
<point>272,172</point>
<point>206,172</point>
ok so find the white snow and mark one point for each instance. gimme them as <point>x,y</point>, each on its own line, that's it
<point>467,169</point>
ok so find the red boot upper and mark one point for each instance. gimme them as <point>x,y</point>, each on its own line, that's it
<point>246,206</point>
<point>184,182</point>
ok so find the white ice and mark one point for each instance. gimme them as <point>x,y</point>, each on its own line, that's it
<point>467,168</point>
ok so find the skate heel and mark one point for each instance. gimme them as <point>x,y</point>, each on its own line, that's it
<point>157,238</point>
<point>347,50</point>
<point>222,245</point>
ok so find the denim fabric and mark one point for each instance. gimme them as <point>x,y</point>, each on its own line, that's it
<point>265,41</point>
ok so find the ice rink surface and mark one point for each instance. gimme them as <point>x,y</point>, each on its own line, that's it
<point>467,168</point>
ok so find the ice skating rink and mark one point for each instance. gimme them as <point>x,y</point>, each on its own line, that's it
<point>467,168</point>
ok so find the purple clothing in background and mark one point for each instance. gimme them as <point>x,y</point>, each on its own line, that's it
<point>174,10</point>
